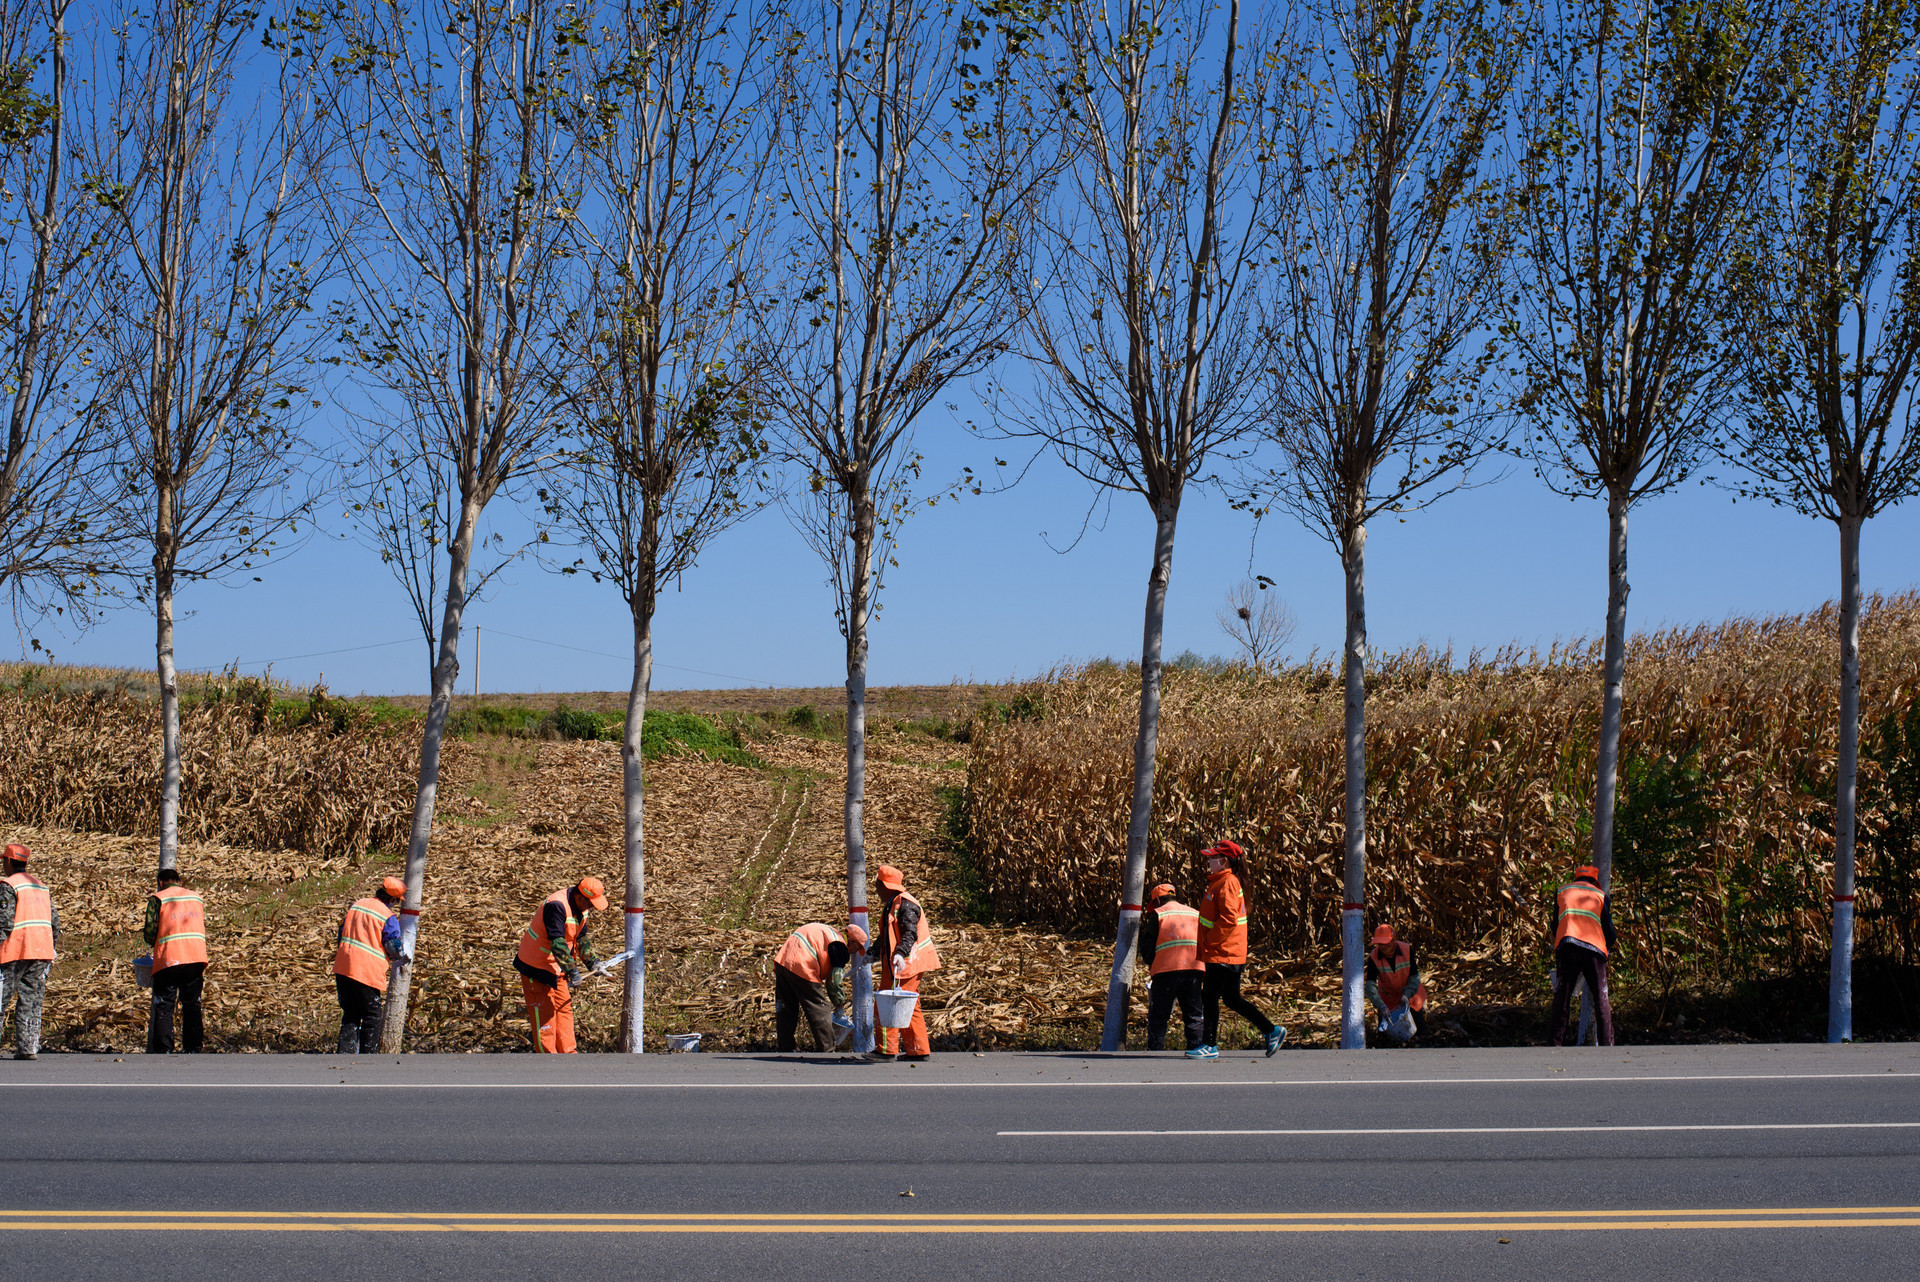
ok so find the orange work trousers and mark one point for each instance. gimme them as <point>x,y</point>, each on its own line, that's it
<point>911,1040</point>
<point>550,1011</point>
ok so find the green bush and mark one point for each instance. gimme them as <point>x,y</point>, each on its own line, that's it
<point>684,734</point>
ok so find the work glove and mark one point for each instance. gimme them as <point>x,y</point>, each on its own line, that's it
<point>573,979</point>
<point>899,964</point>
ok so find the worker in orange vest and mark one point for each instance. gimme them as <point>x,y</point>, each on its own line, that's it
<point>176,930</point>
<point>369,943</point>
<point>905,945</point>
<point>554,950</point>
<point>1223,948</point>
<point>29,929</point>
<point>1583,935</point>
<point>1170,939</point>
<point>810,976</point>
<point>1393,978</point>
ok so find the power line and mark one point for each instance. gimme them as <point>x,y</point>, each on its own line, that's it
<point>729,676</point>
<point>321,654</point>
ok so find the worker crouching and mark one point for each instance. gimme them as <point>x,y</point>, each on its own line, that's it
<point>810,978</point>
<point>554,950</point>
<point>1394,982</point>
<point>29,929</point>
<point>368,946</point>
<point>905,945</point>
<point>1583,935</point>
<point>176,930</point>
<point>1170,939</point>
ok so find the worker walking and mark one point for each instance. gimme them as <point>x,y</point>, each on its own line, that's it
<point>369,943</point>
<point>29,929</point>
<point>554,950</point>
<point>905,945</point>
<point>810,977</point>
<point>1583,935</point>
<point>1223,948</point>
<point>1170,938</point>
<point>1393,979</point>
<point>176,930</point>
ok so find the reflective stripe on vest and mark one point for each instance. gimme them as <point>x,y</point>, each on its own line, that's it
<point>361,957</point>
<point>1578,907</point>
<point>182,937</point>
<point>1393,979</point>
<point>536,949</point>
<point>1223,938</point>
<point>805,951</point>
<point>1178,945</point>
<point>32,937</point>
<point>922,957</point>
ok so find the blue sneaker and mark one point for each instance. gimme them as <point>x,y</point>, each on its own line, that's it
<point>1276,1039</point>
<point>1203,1052</point>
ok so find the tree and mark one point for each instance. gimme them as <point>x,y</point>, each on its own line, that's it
<point>215,260</point>
<point>1648,128</point>
<point>908,171</point>
<point>1388,244</point>
<point>1138,313</point>
<point>668,442</point>
<point>1829,310</point>
<point>1259,621</point>
<point>461,190</point>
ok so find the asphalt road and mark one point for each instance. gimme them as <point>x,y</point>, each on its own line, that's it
<point>1725,1161</point>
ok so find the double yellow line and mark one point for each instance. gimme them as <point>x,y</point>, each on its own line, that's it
<point>1818,1217</point>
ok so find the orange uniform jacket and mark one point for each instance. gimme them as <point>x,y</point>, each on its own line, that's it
<point>1394,968</point>
<point>1223,920</point>
<point>1577,909</point>
<point>1177,945</point>
<point>361,956</point>
<point>182,937</point>
<point>922,957</point>
<point>805,952</point>
<point>32,937</point>
<point>535,950</point>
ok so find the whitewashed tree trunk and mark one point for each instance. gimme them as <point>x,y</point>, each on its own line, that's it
<point>1840,977</point>
<point>169,722</point>
<point>1607,773</point>
<point>445,672</point>
<point>1353,972</point>
<point>860,584</point>
<point>1113,1034</point>
<point>633,1011</point>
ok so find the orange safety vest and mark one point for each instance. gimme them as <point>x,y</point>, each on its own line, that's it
<point>1178,945</point>
<point>1223,920</point>
<point>361,956</point>
<point>535,951</point>
<point>1577,908</point>
<point>182,937</point>
<point>1394,971</point>
<point>805,952</point>
<point>922,957</point>
<point>32,937</point>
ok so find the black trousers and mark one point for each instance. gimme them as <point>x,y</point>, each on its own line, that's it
<point>1572,963</point>
<point>359,1016</point>
<point>1223,985</point>
<point>1184,986</point>
<point>791,996</point>
<point>181,986</point>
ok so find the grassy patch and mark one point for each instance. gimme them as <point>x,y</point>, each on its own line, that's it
<point>970,889</point>
<point>501,769</point>
<point>793,797</point>
<point>257,904</point>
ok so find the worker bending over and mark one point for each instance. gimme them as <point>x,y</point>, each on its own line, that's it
<point>554,950</point>
<point>176,930</point>
<point>1583,935</point>
<point>810,976</point>
<point>1170,939</point>
<point>905,945</point>
<point>1394,979</point>
<point>29,929</point>
<point>369,944</point>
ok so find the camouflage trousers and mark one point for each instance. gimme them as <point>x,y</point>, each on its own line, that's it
<point>24,983</point>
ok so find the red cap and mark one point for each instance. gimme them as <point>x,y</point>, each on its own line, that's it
<point>1587,872</point>
<point>394,887</point>
<point>1224,850</point>
<point>17,852</point>
<point>892,878</point>
<point>594,891</point>
<point>1382,935</point>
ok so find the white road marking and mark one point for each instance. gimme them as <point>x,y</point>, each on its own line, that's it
<point>1515,1130</point>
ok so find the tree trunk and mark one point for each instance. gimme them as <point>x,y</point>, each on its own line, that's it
<point>1840,978</point>
<point>445,672</point>
<point>1146,742</point>
<point>1353,910</point>
<point>861,585</point>
<point>632,1014</point>
<point>169,721</point>
<point>1606,775</point>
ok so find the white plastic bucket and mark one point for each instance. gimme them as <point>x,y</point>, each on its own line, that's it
<point>896,1006</point>
<point>1398,1026</point>
<point>683,1041</point>
<point>143,971</point>
<point>841,1027</point>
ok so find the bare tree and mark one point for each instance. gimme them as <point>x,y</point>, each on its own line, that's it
<point>1138,307</point>
<point>1830,322</point>
<point>1388,244</point>
<point>216,258</point>
<point>668,441</point>
<point>1647,128</point>
<point>1259,621</point>
<point>452,120</point>
<point>908,171</point>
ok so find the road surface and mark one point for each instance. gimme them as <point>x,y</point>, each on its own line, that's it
<point>1633,1162</point>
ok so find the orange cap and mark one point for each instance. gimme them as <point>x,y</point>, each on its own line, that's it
<point>1587,872</point>
<point>1164,888</point>
<point>17,852</point>
<point>857,935</point>
<point>395,887</point>
<point>892,877</point>
<point>594,891</point>
<point>1382,935</point>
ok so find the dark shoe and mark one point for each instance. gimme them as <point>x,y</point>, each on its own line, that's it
<point>916,1058</point>
<point>25,1055</point>
<point>879,1057</point>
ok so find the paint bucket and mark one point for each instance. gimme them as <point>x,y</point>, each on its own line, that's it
<point>895,1006</point>
<point>841,1027</point>
<point>1398,1026</point>
<point>143,971</point>
<point>683,1041</point>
